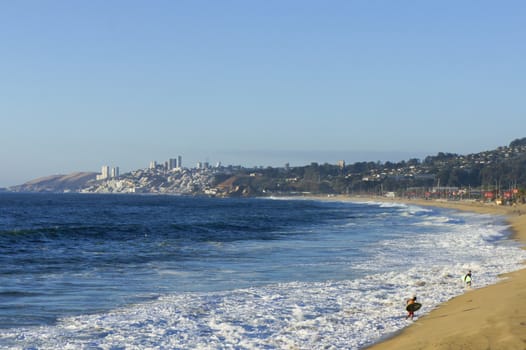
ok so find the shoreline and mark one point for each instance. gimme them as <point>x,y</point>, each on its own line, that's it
<point>490,317</point>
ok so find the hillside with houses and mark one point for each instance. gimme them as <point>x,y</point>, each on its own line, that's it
<point>498,174</point>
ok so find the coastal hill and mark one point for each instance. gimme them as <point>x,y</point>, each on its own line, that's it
<point>492,174</point>
<point>498,173</point>
<point>56,183</point>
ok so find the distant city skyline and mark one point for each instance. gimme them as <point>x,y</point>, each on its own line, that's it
<point>274,159</point>
<point>254,83</point>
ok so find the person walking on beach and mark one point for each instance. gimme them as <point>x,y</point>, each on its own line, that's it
<point>410,310</point>
<point>467,279</point>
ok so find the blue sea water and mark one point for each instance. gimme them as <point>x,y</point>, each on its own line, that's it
<point>170,272</point>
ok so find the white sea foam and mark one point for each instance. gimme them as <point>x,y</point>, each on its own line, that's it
<point>347,314</point>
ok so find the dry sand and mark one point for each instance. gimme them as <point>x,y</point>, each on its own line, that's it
<point>492,317</point>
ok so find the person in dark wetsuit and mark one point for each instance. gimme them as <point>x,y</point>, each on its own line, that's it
<point>409,302</point>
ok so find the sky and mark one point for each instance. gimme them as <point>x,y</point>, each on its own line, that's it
<point>254,83</point>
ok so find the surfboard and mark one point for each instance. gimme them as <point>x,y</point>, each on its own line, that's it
<point>413,307</point>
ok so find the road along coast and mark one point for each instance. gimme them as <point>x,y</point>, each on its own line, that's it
<point>493,317</point>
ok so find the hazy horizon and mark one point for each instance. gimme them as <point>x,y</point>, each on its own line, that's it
<point>123,83</point>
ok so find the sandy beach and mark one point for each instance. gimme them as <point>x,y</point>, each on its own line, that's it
<point>493,317</point>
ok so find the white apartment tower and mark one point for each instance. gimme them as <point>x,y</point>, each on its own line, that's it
<point>104,173</point>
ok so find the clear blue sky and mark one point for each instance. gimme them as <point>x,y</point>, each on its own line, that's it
<point>122,83</point>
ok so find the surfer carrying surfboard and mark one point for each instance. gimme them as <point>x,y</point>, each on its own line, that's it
<point>411,307</point>
<point>467,279</point>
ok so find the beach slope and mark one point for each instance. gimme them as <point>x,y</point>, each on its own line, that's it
<point>492,317</point>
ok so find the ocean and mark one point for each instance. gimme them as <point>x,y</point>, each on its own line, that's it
<point>81,271</point>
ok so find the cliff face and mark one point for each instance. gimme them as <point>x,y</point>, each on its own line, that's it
<point>56,183</point>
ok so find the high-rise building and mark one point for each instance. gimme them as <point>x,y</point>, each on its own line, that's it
<point>104,173</point>
<point>173,163</point>
<point>153,164</point>
<point>179,162</point>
